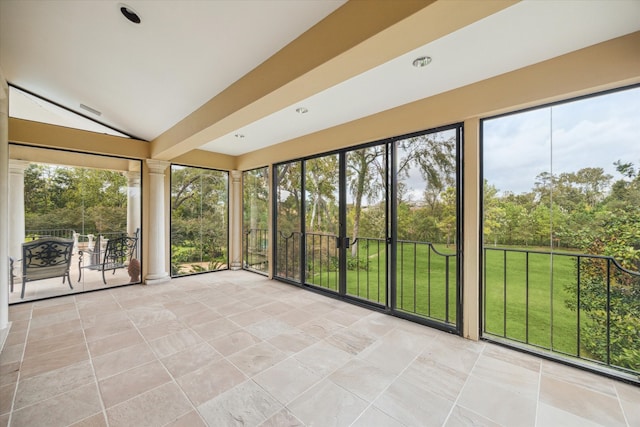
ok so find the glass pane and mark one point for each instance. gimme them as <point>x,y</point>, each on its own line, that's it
<point>288,220</point>
<point>199,212</point>
<point>561,228</point>
<point>367,223</point>
<point>322,225</point>
<point>427,218</point>
<point>255,219</point>
<point>92,202</point>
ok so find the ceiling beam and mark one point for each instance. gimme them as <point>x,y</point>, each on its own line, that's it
<point>355,38</point>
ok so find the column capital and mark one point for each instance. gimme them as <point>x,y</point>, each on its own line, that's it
<point>236,175</point>
<point>18,166</point>
<point>157,166</point>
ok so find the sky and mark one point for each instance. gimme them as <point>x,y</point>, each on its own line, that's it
<point>592,132</point>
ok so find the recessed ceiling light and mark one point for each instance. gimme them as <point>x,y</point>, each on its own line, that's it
<point>422,61</point>
<point>239,135</point>
<point>302,110</point>
<point>130,14</point>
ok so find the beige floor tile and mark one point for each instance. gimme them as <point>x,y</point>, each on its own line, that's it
<point>190,359</point>
<point>244,405</point>
<point>327,404</point>
<point>216,329</point>
<point>296,317</point>
<point>507,375</point>
<point>249,317</point>
<point>106,326</point>
<point>97,420</point>
<point>145,316</point>
<point>210,381</point>
<point>435,377</point>
<point>374,417</point>
<point>551,416</point>
<point>234,342</point>
<point>579,377</point>
<point>122,360</point>
<point>503,405</point>
<point>48,331</point>
<point>191,419</point>
<point>595,406</point>
<point>52,383</point>
<point>286,380</point>
<point>62,410</point>
<point>460,359</point>
<point>157,407</point>
<point>114,342</point>
<point>350,341</point>
<point>19,337</point>
<point>320,327</point>
<point>293,342</point>
<point>362,378</point>
<point>7,393</point>
<point>9,373</point>
<point>53,309</point>
<point>135,381</point>
<point>174,343</point>
<point>54,360</point>
<point>160,330</point>
<point>463,417</point>
<point>35,348</point>
<point>412,405</point>
<point>323,358</point>
<point>256,358</point>
<point>200,317</point>
<point>411,372</point>
<point>282,418</point>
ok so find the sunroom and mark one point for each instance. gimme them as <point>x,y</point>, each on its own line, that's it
<point>384,198</point>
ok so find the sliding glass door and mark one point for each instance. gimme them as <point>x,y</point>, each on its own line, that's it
<point>378,224</point>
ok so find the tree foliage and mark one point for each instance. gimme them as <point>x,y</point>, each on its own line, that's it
<point>89,201</point>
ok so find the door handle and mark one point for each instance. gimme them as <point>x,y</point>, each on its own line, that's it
<point>346,242</point>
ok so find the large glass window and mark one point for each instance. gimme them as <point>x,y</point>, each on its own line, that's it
<point>255,219</point>
<point>75,222</point>
<point>199,220</point>
<point>562,228</point>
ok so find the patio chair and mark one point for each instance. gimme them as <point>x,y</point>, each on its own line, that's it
<point>46,258</point>
<point>116,255</point>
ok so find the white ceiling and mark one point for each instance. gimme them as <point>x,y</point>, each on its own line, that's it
<point>146,78</point>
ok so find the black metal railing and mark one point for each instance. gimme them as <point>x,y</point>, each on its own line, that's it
<point>577,305</point>
<point>367,269</point>
<point>288,255</point>
<point>65,233</point>
<point>256,242</point>
<point>426,281</point>
<point>322,260</point>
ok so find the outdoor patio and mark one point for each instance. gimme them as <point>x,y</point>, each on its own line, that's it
<point>234,348</point>
<point>46,288</point>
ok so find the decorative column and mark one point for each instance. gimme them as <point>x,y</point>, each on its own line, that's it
<point>16,206</point>
<point>472,230</point>
<point>156,265</point>
<point>235,220</point>
<point>133,197</point>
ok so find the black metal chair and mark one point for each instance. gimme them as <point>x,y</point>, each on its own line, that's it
<point>117,254</point>
<point>46,258</point>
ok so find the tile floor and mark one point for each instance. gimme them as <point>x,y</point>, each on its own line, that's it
<point>233,348</point>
